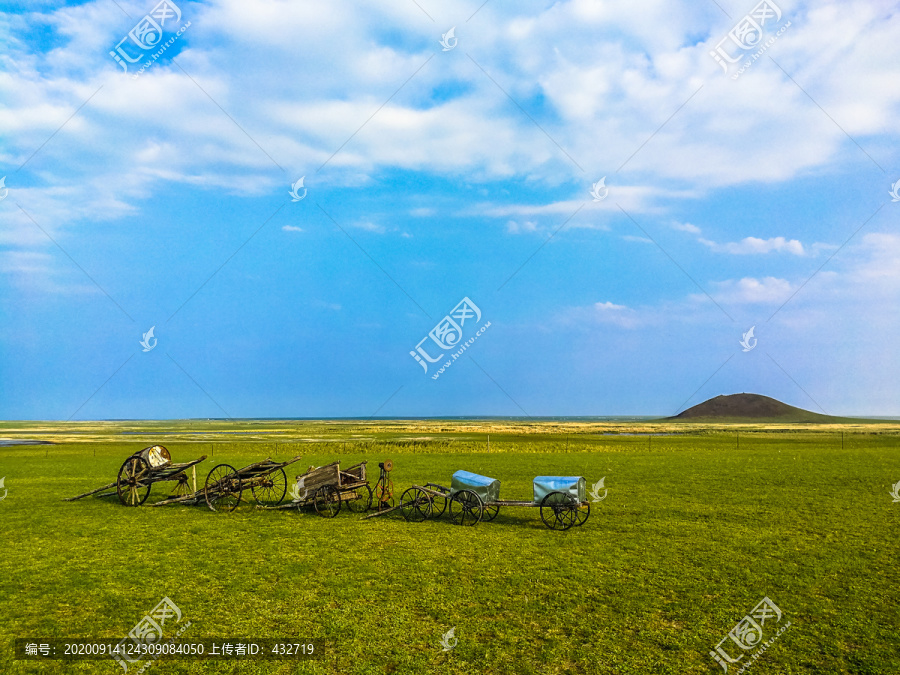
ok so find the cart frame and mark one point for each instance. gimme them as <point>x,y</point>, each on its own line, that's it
<point>136,477</point>
<point>225,486</point>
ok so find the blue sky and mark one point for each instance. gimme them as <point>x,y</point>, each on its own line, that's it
<point>432,175</point>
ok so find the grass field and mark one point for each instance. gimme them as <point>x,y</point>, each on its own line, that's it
<point>694,532</point>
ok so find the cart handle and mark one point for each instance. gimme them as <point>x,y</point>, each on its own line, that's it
<point>439,487</point>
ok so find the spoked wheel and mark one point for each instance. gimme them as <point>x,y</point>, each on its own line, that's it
<point>131,487</point>
<point>415,505</point>
<point>559,511</point>
<point>182,488</point>
<point>584,512</point>
<point>490,512</point>
<point>223,488</point>
<point>363,500</point>
<point>327,501</point>
<point>438,506</point>
<point>466,508</point>
<point>271,489</point>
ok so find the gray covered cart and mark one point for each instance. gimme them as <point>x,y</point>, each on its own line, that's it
<point>473,498</point>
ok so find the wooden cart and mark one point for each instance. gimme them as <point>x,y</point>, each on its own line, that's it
<point>327,488</point>
<point>140,471</point>
<point>226,486</point>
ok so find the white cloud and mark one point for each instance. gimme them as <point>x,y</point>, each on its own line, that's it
<point>608,76</point>
<point>291,228</point>
<point>368,226</point>
<point>751,290</point>
<point>686,227</point>
<point>753,245</point>
<point>31,271</point>
<point>422,212</point>
<point>632,80</point>
<point>514,227</point>
<point>605,313</point>
<point>631,198</point>
<point>879,272</point>
<point>619,315</point>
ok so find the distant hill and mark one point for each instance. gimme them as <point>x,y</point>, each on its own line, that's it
<point>749,408</point>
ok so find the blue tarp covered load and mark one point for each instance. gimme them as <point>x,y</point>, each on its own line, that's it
<point>486,488</point>
<point>573,485</point>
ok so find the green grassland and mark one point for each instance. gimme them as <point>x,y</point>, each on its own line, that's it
<point>696,529</point>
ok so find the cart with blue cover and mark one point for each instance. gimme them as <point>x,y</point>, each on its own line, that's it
<point>472,498</point>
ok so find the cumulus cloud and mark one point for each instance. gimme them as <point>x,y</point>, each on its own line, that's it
<point>633,79</point>
<point>603,106</point>
<point>752,290</point>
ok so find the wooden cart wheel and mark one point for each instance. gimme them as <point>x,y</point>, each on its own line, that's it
<point>327,501</point>
<point>363,500</point>
<point>415,505</point>
<point>223,488</point>
<point>466,508</point>
<point>271,489</point>
<point>584,512</point>
<point>490,512</point>
<point>182,488</point>
<point>438,506</point>
<point>131,486</point>
<point>559,510</point>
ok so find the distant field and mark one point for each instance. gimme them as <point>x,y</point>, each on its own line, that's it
<point>696,529</point>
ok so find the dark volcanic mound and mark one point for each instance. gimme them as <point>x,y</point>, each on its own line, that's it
<point>747,407</point>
